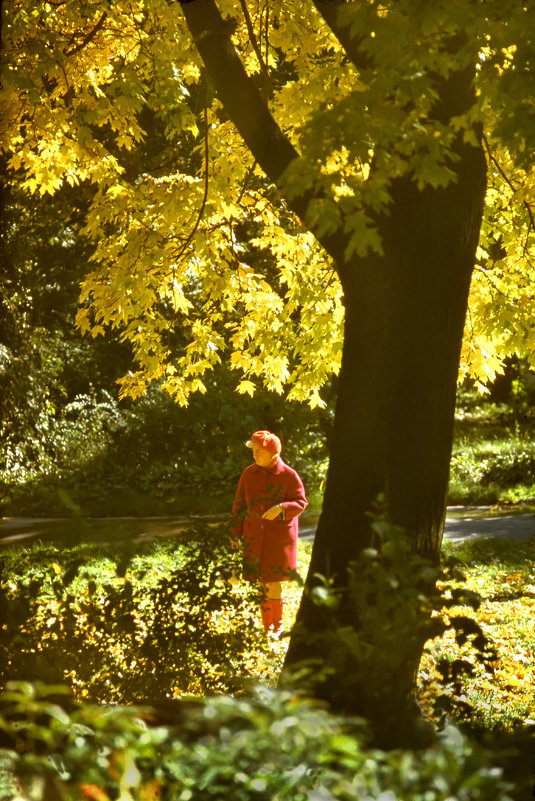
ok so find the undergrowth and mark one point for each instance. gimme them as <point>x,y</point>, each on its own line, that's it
<point>493,460</point>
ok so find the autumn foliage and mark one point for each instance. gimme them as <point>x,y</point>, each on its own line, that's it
<point>190,240</point>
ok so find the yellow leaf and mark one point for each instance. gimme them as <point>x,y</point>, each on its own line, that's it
<point>246,387</point>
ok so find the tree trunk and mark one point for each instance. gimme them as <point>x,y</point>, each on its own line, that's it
<point>393,427</point>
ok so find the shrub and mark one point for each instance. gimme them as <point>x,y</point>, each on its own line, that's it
<point>270,746</point>
<point>131,626</point>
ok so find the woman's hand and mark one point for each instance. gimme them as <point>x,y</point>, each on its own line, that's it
<point>273,512</point>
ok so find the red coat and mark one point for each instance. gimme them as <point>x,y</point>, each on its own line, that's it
<point>269,546</point>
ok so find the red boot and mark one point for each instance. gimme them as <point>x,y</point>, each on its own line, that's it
<point>267,615</point>
<point>277,609</point>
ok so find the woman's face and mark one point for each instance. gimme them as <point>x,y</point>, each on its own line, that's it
<point>262,457</point>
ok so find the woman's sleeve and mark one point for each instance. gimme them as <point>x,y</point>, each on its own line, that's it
<point>239,508</point>
<point>295,501</point>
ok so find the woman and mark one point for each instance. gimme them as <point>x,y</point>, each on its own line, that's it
<point>269,499</point>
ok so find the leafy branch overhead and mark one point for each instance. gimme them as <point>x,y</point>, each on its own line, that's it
<point>218,241</point>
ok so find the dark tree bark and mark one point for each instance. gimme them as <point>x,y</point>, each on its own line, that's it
<point>396,392</point>
<point>405,313</point>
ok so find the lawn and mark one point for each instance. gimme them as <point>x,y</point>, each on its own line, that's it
<point>166,622</point>
<point>493,460</point>
<point>99,617</point>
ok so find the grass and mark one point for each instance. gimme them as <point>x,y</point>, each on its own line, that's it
<point>493,460</point>
<point>503,573</point>
<point>499,696</point>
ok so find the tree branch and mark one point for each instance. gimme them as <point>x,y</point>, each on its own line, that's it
<point>508,181</point>
<point>330,11</point>
<point>92,33</point>
<point>200,213</point>
<point>240,97</point>
<point>248,110</point>
<point>253,39</point>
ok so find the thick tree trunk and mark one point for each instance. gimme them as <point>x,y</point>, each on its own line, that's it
<point>396,391</point>
<point>394,416</point>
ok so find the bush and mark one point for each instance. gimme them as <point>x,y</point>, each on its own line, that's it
<point>133,624</point>
<point>493,458</point>
<point>150,456</point>
<point>271,746</point>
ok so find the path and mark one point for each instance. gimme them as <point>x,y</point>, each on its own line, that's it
<point>462,523</point>
<point>23,531</point>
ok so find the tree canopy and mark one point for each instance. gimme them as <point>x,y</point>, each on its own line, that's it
<point>188,235</point>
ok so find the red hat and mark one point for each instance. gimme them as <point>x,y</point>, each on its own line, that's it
<point>266,440</point>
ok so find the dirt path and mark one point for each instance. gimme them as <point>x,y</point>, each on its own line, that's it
<point>462,523</point>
